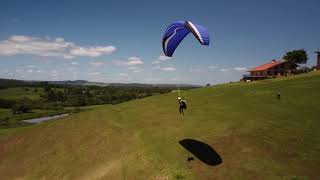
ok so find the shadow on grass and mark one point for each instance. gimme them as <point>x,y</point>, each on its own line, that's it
<point>202,151</point>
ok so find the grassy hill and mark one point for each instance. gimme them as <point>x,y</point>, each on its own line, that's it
<point>256,135</point>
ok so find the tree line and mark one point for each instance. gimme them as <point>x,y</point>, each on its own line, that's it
<point>58,96</point>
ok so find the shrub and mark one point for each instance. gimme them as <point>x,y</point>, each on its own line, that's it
<point>21,108</point>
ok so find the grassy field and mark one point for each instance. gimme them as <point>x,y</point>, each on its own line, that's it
<point>256,135</point>
<point>21,92</point>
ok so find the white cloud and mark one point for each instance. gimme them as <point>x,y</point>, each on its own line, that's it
<point>54,75</point>
<point>194,70</point>
<point>156,67</point>
<point>21,38</point>
<point>153,80</point>
<point>92,51</point>
<point>19,70</point>
<point>94,73</point>
<point>49,47</point>
<point>30,66</point>
<point>135,69</point>
<point>132,61</point>
<point>123,74</point>
<point>224,70</point>
<point>163,58</point>
<point>97,63</point>
<point>30,71</point>
<point>156,62</point>
<point>164,69</point>
<point>74,63</point>
<point>160,59</point>
<point>68,56</point>
<point>212,67</point>
<point>138,70</point>
<point>240,68</point>
<point>168,69</point>
<point>71,68</point>
<point>132,68</point>
<point>233,69</point>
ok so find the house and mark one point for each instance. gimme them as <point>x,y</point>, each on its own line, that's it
<point>271,69</point>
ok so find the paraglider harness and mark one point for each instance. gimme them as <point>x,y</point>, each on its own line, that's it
<point>183,104</point>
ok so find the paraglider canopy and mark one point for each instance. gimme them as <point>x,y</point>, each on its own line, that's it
<point>177,31</point>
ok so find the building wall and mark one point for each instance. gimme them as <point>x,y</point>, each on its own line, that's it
<point>259,73</point>
<point>283,69</point>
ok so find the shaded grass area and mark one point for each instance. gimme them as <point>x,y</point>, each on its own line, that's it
<point>257,135</point>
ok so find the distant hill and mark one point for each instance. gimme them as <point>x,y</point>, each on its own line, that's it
<point>88,83</point>
<point>18,83</point>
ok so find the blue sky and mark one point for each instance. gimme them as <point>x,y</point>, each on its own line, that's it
<point>120,41</point>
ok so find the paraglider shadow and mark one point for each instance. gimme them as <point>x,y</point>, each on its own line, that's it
<point>202,151</point>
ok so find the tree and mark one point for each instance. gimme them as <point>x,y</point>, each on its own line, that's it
<point>20,108</point>
<point>299,56</point>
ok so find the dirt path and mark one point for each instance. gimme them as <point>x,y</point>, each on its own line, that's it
<point>102,171</point>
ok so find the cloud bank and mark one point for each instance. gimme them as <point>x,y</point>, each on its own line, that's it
<point>49,47</point>
<point>168,69</point>
<point>132,61</point>
<point>161,59</point>
<point>240,68</point>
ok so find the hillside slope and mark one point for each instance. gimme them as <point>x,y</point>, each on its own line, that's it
<point>256,135</point>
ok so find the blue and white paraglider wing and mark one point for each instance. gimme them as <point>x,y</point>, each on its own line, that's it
<point>177,31</point>
<point>172,37</point>
<point>199,32</point>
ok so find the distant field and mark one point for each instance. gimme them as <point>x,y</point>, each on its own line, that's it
<point>15,119</point>
<point>21,92</point>
<point>8,119</point>
<point>257,136</point>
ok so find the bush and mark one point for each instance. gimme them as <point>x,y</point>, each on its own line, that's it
<point>4,103</point>
<point>21,108</point>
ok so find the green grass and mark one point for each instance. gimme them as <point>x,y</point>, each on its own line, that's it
<point>257,136</point>
<point>20,93</point>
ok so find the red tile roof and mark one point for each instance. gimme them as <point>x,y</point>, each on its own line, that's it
<point>267,65</point>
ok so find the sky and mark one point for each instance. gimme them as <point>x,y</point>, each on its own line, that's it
<point>121,41</point>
